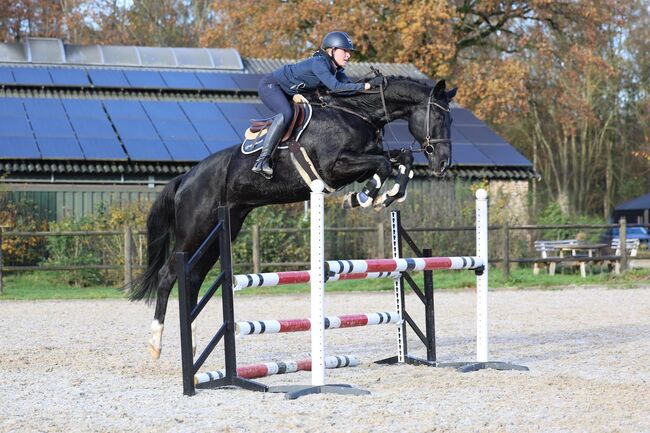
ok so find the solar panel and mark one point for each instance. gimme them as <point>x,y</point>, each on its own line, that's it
<point>32,76</point>
<point>145,79</point>
<point>219,131</point>
<point>102,148</point>
<point>457,136</point>
<point>69,77</point>
<point>6,77</point>
<point>240,126</point>
<point>503,154</point>
<point>247,82</point>
<point>199,111</point>
<point>163,110</point>
<point>146,150</point>
<point>480,134</point>
<point>214,81</point>
<point>122,109</point>
<point>219,145</point>
<point>468,154</point>
<point>187,150</point>
<point>84,109</point>
<point>239,110</point>
<point>14,127</point>
<point>174,130</point>
<point>45,108</point>
<point>12,107</point>
<point>93,128</point>
<point>135,129</point>
<point>463,116</point>
<point>52,128</point>
<point>60,148</point>
<point>18,147</point>
<point>108,78</point>
<point>181,80</point>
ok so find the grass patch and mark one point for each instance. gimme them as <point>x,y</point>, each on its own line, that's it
<point>44,285</point>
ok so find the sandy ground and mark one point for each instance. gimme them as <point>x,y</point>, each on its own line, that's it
<point>82,366</point>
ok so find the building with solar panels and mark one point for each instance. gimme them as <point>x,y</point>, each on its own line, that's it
<point>86,125</point>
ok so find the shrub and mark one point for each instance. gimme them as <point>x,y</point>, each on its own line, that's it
<point>21,250</point>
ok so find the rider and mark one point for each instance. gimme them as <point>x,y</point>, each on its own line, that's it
<point>324,68</point>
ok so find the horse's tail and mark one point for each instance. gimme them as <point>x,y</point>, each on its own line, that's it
<point>160,223</point>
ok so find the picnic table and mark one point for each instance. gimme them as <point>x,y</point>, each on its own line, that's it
<point>573,252</point>
<point>580,251</point>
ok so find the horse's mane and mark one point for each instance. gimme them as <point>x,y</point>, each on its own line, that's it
<point>372,99</point>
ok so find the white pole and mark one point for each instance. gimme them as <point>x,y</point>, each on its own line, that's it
<point>317,280</point>
<point>482,280</point>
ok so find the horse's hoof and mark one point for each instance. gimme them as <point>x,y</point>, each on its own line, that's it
<point>154,352</point>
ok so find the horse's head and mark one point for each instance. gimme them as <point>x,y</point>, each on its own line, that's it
<point>430,124</point>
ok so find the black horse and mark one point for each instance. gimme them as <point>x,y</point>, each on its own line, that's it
<point>343,141</point>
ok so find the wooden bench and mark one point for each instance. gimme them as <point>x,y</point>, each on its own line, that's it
<point>632,248</point>
<point>551,249</point>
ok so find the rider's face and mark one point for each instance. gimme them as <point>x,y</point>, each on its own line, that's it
<point>341,57</point>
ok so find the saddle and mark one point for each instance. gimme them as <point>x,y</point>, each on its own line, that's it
<point>254,135</point>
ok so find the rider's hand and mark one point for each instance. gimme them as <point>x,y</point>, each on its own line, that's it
<point>367,86</point>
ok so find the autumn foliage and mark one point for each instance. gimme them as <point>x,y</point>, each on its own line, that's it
<point>566,82</point>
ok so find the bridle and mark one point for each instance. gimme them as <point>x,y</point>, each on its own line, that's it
<point>429,145</point>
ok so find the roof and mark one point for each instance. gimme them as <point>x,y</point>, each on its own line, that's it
<point>638,203</point>
<point>139,110</point>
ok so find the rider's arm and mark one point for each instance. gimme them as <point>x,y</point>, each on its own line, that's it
<point>324,74</point>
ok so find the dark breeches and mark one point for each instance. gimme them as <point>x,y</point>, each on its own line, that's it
<point>275,98</point>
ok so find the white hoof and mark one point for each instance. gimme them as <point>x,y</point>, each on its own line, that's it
<point>153,351</point>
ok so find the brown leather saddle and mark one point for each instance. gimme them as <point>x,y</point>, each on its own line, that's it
<point>254,135</point>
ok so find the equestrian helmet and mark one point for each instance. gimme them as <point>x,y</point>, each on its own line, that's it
<point>337,40</point>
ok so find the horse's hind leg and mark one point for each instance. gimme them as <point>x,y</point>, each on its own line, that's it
<point>167,276</point>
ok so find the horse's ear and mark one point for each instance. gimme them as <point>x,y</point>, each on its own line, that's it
<point>452,93</point>
<point>439,89</point>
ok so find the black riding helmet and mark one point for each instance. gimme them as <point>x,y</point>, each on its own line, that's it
<point>337,40</point>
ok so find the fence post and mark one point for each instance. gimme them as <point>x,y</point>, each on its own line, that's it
<point>256,248</point>
<point>128,257</point>
<point>1,284</point>
<point>381,252</point>
<point>506,250</point>
<point>622,237</point>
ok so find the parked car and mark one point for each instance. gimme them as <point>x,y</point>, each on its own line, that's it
<point>640,233</point>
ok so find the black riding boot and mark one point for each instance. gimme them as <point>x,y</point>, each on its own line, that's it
<point>273,136</point>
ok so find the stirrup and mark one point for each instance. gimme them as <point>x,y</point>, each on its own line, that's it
<point>260,169</point>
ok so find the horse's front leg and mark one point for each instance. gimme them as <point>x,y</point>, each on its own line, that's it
<point>403,159</point>
<point>349,165</point>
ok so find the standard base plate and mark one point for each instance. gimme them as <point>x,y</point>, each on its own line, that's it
<point>294,391</point>
<point>463,367</point>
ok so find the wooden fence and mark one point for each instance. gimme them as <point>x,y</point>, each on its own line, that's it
<point>501,238</point>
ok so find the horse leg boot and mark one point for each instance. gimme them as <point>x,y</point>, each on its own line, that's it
<point>273,136</point>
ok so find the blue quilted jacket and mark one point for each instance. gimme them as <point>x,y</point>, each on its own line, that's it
<point>312,73</point>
